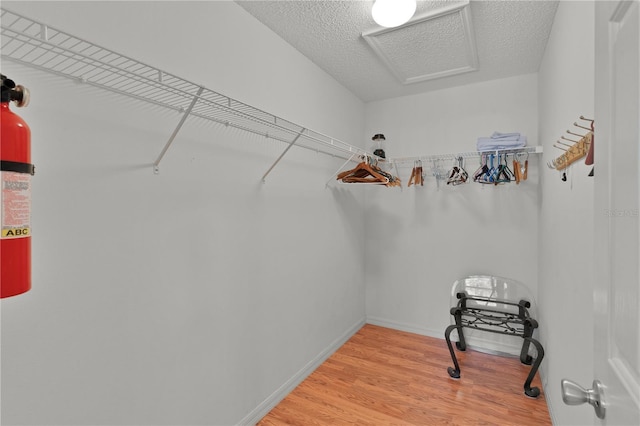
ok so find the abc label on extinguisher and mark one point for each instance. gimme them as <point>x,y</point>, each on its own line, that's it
<point>16,205</point>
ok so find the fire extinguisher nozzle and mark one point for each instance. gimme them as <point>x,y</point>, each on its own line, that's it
<point>21,96</point>
<point>10,92</point>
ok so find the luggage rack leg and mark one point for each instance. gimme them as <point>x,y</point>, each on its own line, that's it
<point>461,344</point>
<point>533,392</point>
<point>453,372</point>
<point>529,325</point>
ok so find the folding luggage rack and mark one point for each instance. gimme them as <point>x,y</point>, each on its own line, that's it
<point>482,313</point>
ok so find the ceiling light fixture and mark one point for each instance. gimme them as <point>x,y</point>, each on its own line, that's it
<point>393,13</point>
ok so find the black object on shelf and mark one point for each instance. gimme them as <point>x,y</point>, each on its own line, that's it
<point>481,314</point>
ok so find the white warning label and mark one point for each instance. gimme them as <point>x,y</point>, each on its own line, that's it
<point>16,205</point>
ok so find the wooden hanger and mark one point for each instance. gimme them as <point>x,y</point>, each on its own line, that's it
<point>520,168</point>
<point>363,173</point>
<point>417,175</point>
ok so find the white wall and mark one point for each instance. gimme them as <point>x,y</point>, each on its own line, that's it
<point>421,239</point>
<point>192,296</point>
<point>566,91</point>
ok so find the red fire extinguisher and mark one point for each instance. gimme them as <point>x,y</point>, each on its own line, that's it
<point>16,171</point>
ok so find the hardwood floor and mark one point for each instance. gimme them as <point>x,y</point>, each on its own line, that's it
<point>388,377</point>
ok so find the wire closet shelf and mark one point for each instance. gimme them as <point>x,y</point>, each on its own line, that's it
<point>38,45</point>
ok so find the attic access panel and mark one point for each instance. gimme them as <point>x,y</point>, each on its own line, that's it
<point>438,44</point>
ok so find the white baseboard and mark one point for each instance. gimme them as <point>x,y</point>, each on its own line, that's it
<point>272,400</point>
<point>550,402</point>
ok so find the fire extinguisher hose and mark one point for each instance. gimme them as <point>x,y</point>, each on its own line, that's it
<point>14,166</point>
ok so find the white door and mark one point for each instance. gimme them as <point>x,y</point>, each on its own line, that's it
<point>617,215</point>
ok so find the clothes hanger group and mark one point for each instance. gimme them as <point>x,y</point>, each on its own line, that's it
<point>368,172</point>
<point>494,169</point>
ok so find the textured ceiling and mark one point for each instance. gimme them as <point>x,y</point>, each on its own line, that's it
<point>446,44</point>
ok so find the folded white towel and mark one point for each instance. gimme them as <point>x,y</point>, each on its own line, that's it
<point>510,136</point>
<point>490,144</point>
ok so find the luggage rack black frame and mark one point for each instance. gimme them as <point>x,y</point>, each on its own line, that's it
<point>495,321</point>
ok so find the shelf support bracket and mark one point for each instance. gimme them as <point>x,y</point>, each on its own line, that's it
<point>156,164</point>
<point>292,143</point>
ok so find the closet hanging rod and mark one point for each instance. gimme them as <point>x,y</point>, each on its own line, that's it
<point>465,155</point>
<point>37,45</point>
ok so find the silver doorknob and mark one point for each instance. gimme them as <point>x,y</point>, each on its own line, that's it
<point>574,394</point>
